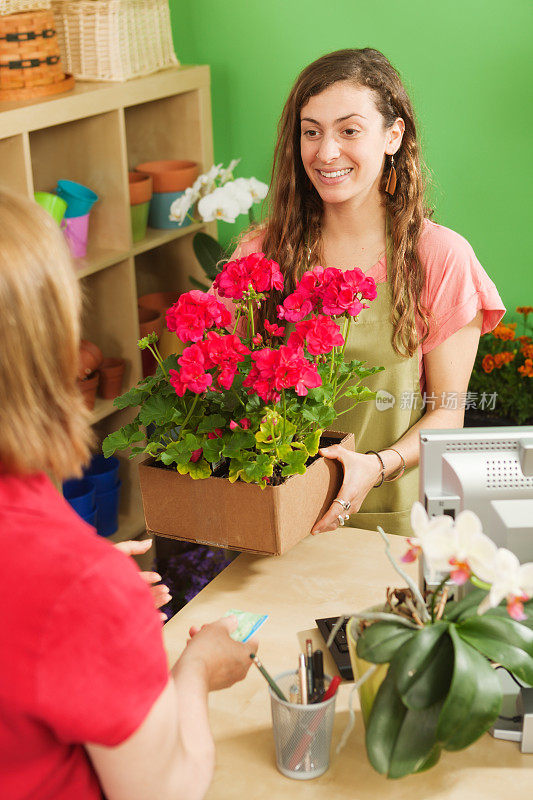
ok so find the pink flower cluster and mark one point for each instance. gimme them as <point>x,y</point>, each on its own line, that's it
<point>219,352</point>
<point>319,333</point>
<point>254,271</point>
<point>284,368</point>
<point>329,290</point>
<point>194,313</point>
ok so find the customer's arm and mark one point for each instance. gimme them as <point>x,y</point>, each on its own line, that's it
<point>171,755</point>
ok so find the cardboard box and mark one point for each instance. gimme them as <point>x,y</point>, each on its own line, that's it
<point>240,516</point>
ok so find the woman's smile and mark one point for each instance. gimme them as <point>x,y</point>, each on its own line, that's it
<point>332,176</point>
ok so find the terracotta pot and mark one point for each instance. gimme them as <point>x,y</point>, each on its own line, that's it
<point>150,321</point>
<point>161,301</point>
<point>240,516</point>
<point>90,358</point>
<point>140,188</point>
<point>88,388</point>
<point>111,377</point>
<point>170,176</point>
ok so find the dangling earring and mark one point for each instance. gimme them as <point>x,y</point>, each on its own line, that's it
<point>390,187</point>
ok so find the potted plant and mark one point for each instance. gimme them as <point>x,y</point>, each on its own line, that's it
<point>501,386</point>
<point>431,660</point>
<point>245,411</point>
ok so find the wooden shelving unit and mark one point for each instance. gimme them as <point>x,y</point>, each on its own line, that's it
<point>93,135</point>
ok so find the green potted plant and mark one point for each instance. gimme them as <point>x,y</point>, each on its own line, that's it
<point>501,386</point>
<point>242,413</point>
<point>428,662</point>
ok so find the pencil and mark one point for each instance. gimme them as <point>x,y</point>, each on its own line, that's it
<point>271,682</point>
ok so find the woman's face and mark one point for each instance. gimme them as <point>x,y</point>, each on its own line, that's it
<point>343,142</point>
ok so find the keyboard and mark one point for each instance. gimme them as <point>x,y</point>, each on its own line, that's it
<point>339,646</point>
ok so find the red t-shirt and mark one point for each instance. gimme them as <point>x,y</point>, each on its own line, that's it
<point>82,657</point>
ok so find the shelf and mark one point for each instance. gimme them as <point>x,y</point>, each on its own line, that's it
<point>156,238</point>
<point>97,259</point>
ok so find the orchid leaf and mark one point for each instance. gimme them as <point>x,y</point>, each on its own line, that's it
<point>209,253</point>
<point>379,642</point>
<point>467,607</point>
<point>400,741</point>
<point>422,668</point>
<point>474,698</point>
<point>503,640</point>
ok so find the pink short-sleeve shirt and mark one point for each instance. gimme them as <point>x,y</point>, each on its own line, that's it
<point>456,285</point>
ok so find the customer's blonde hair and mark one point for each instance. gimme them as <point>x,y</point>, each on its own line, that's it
<point>44,425</point>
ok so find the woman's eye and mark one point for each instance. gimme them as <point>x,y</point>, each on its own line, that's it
<point>310,134</point>
<point>351,131</point>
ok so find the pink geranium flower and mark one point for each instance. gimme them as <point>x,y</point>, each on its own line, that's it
<point>194,313</point>
<point>320,335</point>
<point>254,271</point>
<point>273,329</point>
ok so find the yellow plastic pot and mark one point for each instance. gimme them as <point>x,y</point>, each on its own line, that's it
<point>369,689</point>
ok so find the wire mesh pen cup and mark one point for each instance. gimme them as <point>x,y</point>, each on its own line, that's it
<point>302,733</point>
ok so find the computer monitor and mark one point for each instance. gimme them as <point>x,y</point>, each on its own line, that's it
<point>487,470</point>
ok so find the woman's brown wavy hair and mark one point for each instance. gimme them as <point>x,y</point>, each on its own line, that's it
<point>292,228</point>
<point>44,424</point>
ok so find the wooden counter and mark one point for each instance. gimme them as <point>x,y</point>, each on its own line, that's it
<point>322,576</point>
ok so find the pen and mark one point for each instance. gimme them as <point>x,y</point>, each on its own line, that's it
<point>309,669</point>
<point>318,676</point>
<point>301,749</point>
<point>302,677</point>
<point>271,682</point>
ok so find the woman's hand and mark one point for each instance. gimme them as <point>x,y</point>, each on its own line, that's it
<point>224,660</point>
<point>160,593</point>
<point>361,473</point>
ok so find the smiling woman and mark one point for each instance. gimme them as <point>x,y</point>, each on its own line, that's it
<point>347,190</point>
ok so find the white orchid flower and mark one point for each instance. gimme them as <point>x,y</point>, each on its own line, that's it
<point>258,189</point>
<point>206,183</point>
<point>227,174</point>
<point>432,537</point>
<point>239,191</point>
<point>180,206</point>
<point>218,205</point>
<point>510,580</point>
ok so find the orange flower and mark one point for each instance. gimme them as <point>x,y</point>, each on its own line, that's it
<point>525,339</point>
<point>527,350</point>
<point>525,310</point>
<point>504,332</point>
<point>527,370</point>
<point>499,360</point>
<point>511,325</point>
<point>488,363</point>
<point>508,356</point>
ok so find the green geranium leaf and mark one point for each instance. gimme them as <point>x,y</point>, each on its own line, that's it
<point>474,698</point>
<point>157,409</point>
<point>311,442</point>
<point>295,463</point>
<point>122,439</point>
<point>132,398</point>
<point>400,741</point>
<point>359,393</point>
<point>258,469</point>
<point>213,449</point>
<point>209,423</point>
<point>422,668</point>
<point>238,440</point>
<point>380,641</point>
<point>502,640</point>
<point>198,470</point>
<point>322,415</point>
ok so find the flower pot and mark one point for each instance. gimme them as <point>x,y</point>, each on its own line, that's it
<point>240,516</point>
<point>140,188</point>
<point>88,388</point>
<point>159,216</point>
<point>102,473</point>
<point>161,301</point>
<point>55,205</point>
<point>139,220</point>
<point>369,689</point>
<point>107,511</point>
<point>111,377</point>
<point>170,176</point>
<point>76,233</point>
<point>150,321</point>
<point>90,358</point>
<point>81,496</point>
<point>80,199</point>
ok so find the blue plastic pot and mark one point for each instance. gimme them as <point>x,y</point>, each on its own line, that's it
<point>81,495</point>
<point>80,199</point>
<point>91,518</point>
<point>107,511</point>
<point>160,211</point>
<point>102,473</point>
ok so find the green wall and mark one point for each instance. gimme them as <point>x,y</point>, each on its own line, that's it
<point>465,63</point>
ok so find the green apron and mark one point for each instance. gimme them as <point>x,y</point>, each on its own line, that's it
<point>370,340</point>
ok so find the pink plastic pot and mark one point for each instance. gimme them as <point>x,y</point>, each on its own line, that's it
<point>76,230</point>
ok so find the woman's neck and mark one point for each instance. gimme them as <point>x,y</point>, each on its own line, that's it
<point>357,220</point>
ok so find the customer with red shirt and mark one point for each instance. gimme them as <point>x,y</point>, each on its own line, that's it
<point>87,703</point>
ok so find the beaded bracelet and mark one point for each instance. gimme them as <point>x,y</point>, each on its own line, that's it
<point>373,452</point>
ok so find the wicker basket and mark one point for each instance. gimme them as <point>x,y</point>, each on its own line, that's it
<point>18,6</point>
<point>114,40</point>
<point>30,63</point>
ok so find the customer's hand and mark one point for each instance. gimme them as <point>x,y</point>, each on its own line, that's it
<point>224,660</point>
<point>361,473</point>
<point>160,593</point>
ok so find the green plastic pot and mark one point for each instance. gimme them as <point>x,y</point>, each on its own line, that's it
<point>55,205</point>
<point>139,220</point>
